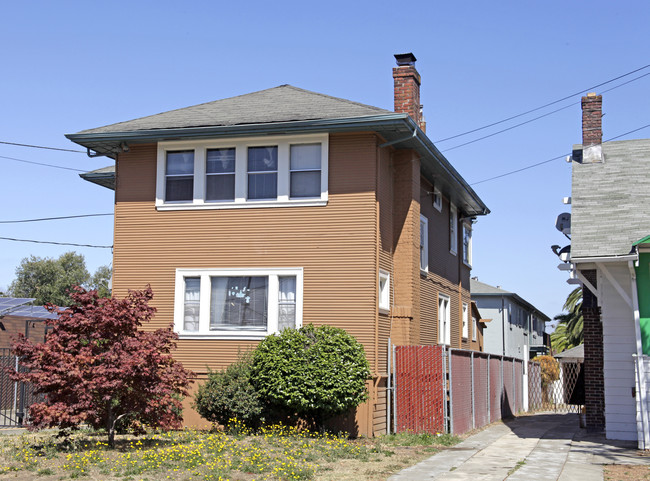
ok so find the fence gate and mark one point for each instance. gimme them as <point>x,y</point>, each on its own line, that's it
<point>564,392</point>
<point>419,389</point>
<point>15,397</point>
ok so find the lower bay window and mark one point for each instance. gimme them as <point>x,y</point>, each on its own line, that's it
<point>239,173</point>
<point>237,303</point>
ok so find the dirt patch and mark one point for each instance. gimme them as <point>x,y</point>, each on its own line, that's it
<point>618,472</point>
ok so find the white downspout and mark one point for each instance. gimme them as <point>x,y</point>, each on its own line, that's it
<point>640,367</point>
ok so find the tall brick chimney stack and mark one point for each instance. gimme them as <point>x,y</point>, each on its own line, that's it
<point>592,127</point>
<point>407,88</point>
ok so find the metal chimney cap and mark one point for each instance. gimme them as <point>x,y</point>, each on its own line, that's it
<point>405,59</point>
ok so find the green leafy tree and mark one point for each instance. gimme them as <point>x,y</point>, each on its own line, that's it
<point>569,331</point>
<point>101,281</point>
<point>314,372</point>
<point>50,280</point>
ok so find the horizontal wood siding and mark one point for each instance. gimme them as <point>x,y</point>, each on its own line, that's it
<point>335,244</point>
<point>385,248</point>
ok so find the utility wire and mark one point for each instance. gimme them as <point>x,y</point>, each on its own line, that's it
<point>55,243</point>
<point>41,163</point>
<point>42,147</point>
<point>51,218</point>
<point>541,116</point>
<point>541,107</point>
<point>554,158</point>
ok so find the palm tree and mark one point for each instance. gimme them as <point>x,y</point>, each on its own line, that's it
<point>568,333</point>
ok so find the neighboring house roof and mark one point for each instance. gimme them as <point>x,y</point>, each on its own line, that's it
<point>285,110</point>
<point>480,289</point>
<point>104,177</point>
<point>577,352</point>
<point>610,200</point>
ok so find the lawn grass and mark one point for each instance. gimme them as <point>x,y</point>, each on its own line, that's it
<point>272,453</point>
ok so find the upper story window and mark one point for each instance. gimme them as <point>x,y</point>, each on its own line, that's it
<point>453,229</point>
<point>424,243</point>
<point>240,303</point>
<point>220,174</point>
<point>467,244</point>
<point>474,328</point>
<point>241,173</point>
<point>437,200</point>
<point>305,170</point>
<point>179,176</point>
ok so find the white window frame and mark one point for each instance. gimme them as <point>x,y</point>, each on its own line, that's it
<point>241,172</point>
<point>444,314</point>
<point>437,199</point>
<point>465,320</point>
<point>467,248</point>
<point>384,291</point>
<point>204,331</point>
<point>474,328</point>
<point>424,244</point>
<point>453,229</point>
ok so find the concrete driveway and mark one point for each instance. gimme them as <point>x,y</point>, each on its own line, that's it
<point>540,447</point>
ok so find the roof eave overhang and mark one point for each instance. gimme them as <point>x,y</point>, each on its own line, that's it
<point>604,259</point>
<point>392,127</point>
<point>105,179</point>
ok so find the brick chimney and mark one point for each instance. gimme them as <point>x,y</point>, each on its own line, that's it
<point>407,88</point>
<point>592,128</point>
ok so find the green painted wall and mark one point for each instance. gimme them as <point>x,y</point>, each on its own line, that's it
<point>643,289</point>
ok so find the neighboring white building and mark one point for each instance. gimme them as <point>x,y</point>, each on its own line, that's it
<point>610,219</point>
<point>516,328</point>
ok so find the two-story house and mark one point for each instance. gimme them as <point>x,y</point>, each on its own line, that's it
<point>285,207</point>
<point>516,326</point>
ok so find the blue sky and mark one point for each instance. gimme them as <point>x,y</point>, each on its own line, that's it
<point>69,66</point>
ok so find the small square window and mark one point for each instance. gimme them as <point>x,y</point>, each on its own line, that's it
<point>384,291</point>
<point>437,200</point>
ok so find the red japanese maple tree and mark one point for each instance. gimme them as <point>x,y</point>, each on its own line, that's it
<point>97,366</point>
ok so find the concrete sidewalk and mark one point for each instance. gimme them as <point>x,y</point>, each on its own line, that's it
<point>543,447</point>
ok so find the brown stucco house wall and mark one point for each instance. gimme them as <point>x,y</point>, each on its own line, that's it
<point>354,248</point>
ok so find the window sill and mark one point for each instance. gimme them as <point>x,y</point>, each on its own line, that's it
<point>240,205</point>
<point>467,265</point>
<point>424,272</point>
<point>236,337</point>
<point>383,310</point>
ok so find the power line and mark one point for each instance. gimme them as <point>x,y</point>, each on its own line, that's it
<point>42,147</point>
<point>540,117</point>
<point>543,106</point>
<point>51,218</point>
<point>41,163</point>
<point>551,160</point>
<point>55,243</point>
<point>510,128</point>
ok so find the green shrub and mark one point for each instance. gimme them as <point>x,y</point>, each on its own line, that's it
<point>228,394</point>
<point>313,372</point>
